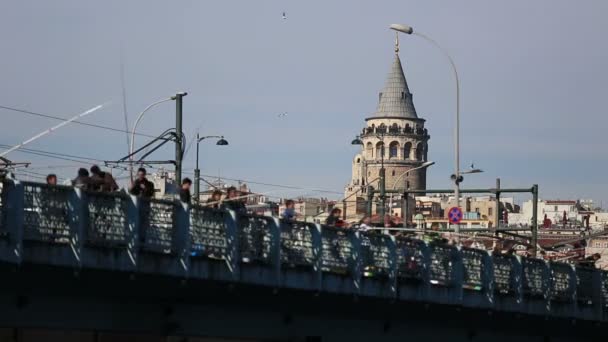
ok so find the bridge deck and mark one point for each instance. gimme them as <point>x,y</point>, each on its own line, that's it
<point>64,227</point>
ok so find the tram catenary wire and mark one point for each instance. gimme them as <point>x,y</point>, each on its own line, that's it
<point>75,121</point>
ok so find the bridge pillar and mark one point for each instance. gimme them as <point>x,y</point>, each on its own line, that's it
<point>13,222</point>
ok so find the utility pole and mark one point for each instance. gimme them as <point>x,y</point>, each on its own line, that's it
<point>382,212</point>
<point>178,138</point>
<point>497,213</point>
<point>197,175</point>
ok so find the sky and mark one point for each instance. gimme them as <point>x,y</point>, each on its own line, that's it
<point>534,77</point>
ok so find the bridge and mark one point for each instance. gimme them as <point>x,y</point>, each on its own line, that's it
<point>80,261</point>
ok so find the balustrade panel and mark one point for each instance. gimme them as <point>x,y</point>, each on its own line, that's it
<point>107,216</point>
<point>208,232</point>
<point>254,238</point>
<point>375,254</point>
<point>296,244</point>
<point>46,215</point>
<point>336,250</point>
<point>533,281</point>
<point>504,274</point>
<point>157,225</point>
<point>410,259</point>
<point>472,260</point>
<point>442,261</point>
<point>584,285</point>
<point>560,282</point>
<point>604,278</point>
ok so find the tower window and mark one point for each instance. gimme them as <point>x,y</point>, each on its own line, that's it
<point>393,173</point>
<point>402,95</point>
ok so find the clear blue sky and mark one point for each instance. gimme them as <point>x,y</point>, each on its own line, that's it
<point>534,80</point>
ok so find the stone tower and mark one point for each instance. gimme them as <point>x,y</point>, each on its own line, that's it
<point>394,136</point>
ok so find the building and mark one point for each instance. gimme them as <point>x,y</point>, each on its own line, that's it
<point>394,137</point>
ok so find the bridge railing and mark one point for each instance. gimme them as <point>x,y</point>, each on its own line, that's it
<point>374,264</point>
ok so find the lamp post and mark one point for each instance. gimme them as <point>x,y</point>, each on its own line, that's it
<point>178,98</point>
<point>179,137</point>
<point>406,202</point>
<point>358,141</point>
<point>197,172</point>
<point>139,117</point>
<point>457,178</point>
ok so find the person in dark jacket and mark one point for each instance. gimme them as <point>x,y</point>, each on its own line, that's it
<point>51,179</point>
<point>234,203</point>
<point>82,181</point>
<point>142,186</point>
<point>215,200</point>
<point>102,181</point>
<point>335,219</point>
<point>184,192</point>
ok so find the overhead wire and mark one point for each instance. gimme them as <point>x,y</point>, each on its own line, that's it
<point>74,122</point>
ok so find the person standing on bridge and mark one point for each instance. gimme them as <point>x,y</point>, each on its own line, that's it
<point>215,200</point>
<point>233,202</point>
<point>102,181</point>
<point>184,192</point>
<point>142,186</point>
<point>82,181</point>
<point>51,179</point>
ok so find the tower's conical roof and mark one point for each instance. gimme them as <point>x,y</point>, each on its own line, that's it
<point>395,98</point>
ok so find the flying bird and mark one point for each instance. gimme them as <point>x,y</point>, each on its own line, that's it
<point>282,115</point>
<point>284,16</point>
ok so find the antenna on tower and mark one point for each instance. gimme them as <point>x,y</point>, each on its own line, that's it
<point>396,42</point>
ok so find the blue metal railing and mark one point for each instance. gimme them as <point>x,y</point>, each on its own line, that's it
<point>168,237</point>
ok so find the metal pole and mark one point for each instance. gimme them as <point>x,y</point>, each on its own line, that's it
<point>197,174</point>
<point>370,200</point>
<point>179,138</point>
<point>382,187</point>
<point>497,214</point>
<point>405,208</point>
<point>534,219</point>
<point>344,209</point>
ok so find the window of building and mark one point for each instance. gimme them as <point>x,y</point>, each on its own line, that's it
<point>555,208</point>
<point>393,149</point>
<point>477,210</point>
<point>379,149</point>
<point>419,152</point>
<point>490,211</point>
<point>369,151</point>
<point>393,173</point>
<point>407,150</point>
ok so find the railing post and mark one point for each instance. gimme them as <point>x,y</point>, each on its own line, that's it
<point>181,237</point>
<point>317,252</point>
<point>426,267</point>
<point>356,263</point>
<point>78,224</point>
<point>133,229</point>
<point>14,221</point>
<point>275,247</point>
<point>487,277</point>
<point>233,258</point>
<point>457,274</point>
<point>517,279</point>
<point>392,265</point>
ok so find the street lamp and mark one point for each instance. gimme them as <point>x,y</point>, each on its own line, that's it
<point>456,177</point>
<point>178,131</point>
<point>197,172</point>
<point>139,117</point>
